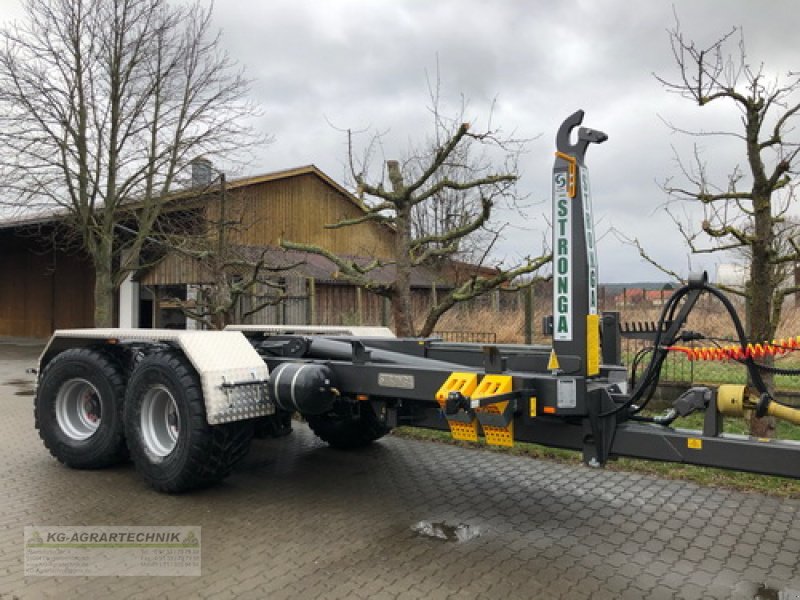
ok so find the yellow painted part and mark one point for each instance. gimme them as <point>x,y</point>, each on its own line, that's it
<point>492,385</point>
<point>467,432</point>
<point>552,363</point>
<point>730,400</point>
<point>782,412</point>
<point>500,436</point>
<point>694,443</point>
<point>532,404</point>
<point>592,345</point>
<point>572,173</point>
<point>465,383</point>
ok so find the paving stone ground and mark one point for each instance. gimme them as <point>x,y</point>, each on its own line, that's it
<point>300,520</point>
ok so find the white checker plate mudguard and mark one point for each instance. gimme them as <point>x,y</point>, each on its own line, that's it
<point>221,358</point>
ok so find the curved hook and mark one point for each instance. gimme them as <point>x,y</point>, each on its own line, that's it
<point>586,136</point>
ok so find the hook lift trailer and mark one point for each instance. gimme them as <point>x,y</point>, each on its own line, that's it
<point>184,404</point>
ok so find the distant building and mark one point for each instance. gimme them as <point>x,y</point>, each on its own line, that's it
<point>641,295</point>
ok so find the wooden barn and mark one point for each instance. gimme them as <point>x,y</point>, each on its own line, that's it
<point>43,289</point>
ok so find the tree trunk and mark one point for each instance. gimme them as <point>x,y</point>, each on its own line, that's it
<point>761,329</point>
<point>103,287</point>
<point>401,300</point>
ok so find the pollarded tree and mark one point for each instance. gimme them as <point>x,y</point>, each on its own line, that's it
<point>102,104</point>
<point>747,211</point>
<point>460,169</point>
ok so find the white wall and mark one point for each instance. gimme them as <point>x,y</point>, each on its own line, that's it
<point>129,303</point>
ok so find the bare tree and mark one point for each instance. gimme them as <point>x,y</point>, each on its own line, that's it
<point>102,104</point>
<point>237,281</point>
<point>747,211</point>
<point>457,178</point>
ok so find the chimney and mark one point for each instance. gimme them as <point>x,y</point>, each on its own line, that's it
<point>202,172</point>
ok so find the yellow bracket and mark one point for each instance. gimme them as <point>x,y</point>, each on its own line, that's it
<point>572,173</point>
<point>592,345</point>
<point>493,385</point>
<point>465,384</point>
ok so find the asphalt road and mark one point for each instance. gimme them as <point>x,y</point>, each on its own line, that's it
<point>402,519</point>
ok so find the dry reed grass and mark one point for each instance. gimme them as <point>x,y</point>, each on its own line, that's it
<point>708,317</point>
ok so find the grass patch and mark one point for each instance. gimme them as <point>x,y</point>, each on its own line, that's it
<point>707,476</point>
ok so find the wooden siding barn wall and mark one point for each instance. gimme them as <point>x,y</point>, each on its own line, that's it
<point>42,290</point>
<point>298,208</point>
<point>348,305</point>
<point>293,310</point>
<point>176,269</point>
<point>339,304</point>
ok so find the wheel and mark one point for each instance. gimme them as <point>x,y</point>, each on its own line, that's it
<point>273,426</point>
<point>170,441</point>
<point>78,409</point>
<point>348,431</point>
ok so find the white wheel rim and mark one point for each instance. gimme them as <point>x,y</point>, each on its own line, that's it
<point>78,409</point>
<point>160,421</point>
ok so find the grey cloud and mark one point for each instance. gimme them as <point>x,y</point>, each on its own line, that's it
<point>358,63</point>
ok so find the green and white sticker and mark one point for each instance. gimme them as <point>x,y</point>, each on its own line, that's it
<point>591,244</point>
<point>562,258</point>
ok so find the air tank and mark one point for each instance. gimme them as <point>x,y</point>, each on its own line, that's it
<point>307,388</point>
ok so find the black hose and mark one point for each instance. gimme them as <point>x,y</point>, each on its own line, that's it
<point>652,374</point>
<point>752,368</point>
<point>649,382</point>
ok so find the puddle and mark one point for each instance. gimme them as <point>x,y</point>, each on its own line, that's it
<point>765,593</point>
<point>445,532</point>
<point>768,593</point>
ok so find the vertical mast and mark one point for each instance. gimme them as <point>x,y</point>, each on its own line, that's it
<point>575,317</point>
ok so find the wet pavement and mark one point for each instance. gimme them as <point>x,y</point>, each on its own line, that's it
<point>402,519</point>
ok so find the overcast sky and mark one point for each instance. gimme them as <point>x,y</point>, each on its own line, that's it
<point>359,63</point>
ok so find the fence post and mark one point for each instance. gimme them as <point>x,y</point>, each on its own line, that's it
<point>359,307</point>
<point>527,300</point>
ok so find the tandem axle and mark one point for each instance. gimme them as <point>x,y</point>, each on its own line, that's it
<point>184,405</point>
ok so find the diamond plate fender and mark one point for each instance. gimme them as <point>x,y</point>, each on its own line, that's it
<point>232,374</point>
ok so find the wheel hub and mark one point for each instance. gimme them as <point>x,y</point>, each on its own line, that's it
<point>78,409</point>
<point>160,421</point>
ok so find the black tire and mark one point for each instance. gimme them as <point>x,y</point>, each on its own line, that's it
<point>181,451</point>
<point>78,409</point>
<point>348,432</point>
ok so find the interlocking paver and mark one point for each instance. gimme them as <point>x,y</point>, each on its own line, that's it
<point>299,520</point>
